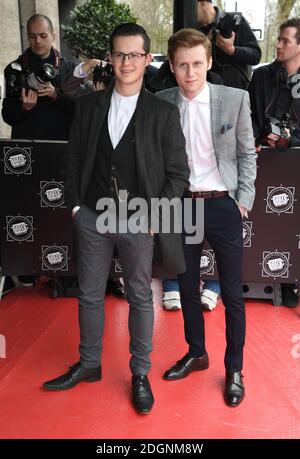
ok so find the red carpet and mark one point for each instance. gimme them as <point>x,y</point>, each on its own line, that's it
<point>42,340</point>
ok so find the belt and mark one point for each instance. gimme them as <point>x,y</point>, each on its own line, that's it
<point>204,194</point>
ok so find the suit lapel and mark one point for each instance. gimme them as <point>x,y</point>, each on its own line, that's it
<point>93,128</point>
<point>141,138</point>
<point>97,119</point>
<point>216,109</point>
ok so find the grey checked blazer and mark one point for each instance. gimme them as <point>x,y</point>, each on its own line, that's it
<point>233,139</point>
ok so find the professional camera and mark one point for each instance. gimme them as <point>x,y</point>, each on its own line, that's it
<point>103,73</point>
<point>228,23</point>
<point>19,78</point>
<point>279,128</point>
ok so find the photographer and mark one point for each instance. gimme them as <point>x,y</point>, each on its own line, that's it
<point>234,45</point>
<point>44,112</point>
<point>275,105</point>
<point>271,92</point>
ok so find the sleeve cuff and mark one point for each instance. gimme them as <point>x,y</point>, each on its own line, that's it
<point>75,210</point>
<point>78,73</point>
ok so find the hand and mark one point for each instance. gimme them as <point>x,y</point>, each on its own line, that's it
<point>90,64</point>
<point>151,232</point>
<point>28,99</point>
<point>257,147</point>
<point>272,139</point>
<point>242,210</point>
<point>226,44</point>
<point>99,86</point>
<point>48,90</point>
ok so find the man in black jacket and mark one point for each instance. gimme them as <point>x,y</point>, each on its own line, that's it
<point>46,113</point>
<point>271,88</point>
<point>123,138</point>
<point>233,56</point>
<point>274,95</point>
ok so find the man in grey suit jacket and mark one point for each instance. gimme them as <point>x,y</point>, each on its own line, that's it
<point>219,142</point>
<point>123,138</point>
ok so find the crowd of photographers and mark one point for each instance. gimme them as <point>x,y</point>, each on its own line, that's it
<point>41,87</point>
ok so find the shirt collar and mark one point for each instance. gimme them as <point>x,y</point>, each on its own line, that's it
<point>203,96</point>
<point>129,99</point>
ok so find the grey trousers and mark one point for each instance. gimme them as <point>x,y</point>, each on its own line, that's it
<point>95,252</point>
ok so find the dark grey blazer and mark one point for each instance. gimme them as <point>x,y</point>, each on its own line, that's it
<point>161,159</point>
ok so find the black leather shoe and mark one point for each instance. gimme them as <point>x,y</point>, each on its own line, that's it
<point>116,288</point>
<point>142,396</point>
<point>185,366</point>
<point>75,375</point>
<point>234,388</point>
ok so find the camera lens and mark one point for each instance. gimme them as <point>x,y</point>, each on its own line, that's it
<point>49,71</point>
<point>46,73</point>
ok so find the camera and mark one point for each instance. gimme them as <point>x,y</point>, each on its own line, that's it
<point>278,128</point>
<point>103,73</point>
<point>228,23</point>
<point>19,78</point>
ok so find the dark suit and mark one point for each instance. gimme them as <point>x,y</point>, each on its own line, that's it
<point>162,171</point>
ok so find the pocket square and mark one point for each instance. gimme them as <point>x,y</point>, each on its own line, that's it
<point>226,128</point>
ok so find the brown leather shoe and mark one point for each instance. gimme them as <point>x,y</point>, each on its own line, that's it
<point>234,388</point>
<point>185,366</point>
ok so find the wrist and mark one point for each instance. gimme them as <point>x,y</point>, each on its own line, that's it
<point>231,50</point>
<point>54,96</point>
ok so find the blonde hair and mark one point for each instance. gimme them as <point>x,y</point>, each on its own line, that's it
<point>188,38</point>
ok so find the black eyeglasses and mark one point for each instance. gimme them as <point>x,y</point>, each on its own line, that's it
<point>118,56</point>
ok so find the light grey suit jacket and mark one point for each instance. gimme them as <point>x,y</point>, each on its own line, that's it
<point>233,139</point>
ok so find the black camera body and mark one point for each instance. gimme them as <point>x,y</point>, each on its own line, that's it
<point>19,78</point>
<point>228,23</point>
<point>103,74</point>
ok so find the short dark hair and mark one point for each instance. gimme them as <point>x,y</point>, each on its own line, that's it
<point>128,29</point>
<point>36,17</point>
<point>188,38</point>
<point>293,22</point>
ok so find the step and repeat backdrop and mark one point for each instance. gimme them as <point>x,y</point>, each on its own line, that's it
<point>37,234</point>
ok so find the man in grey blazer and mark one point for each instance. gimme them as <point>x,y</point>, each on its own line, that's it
<point>219,142</point>
<point>123,138</point>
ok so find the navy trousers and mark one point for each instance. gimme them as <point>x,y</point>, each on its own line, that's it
<point>223,231</point>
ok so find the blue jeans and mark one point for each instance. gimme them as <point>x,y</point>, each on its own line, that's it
<point>213,286</point>
<point>172,285</point>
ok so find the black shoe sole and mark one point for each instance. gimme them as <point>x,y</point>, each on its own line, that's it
<point>93,379</point>
<point>185,376</point>
<point>235,404</point>
<point>142,411</point>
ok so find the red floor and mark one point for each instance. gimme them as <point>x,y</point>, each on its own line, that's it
<point>42,338</point>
